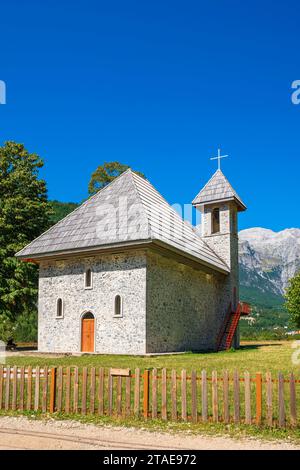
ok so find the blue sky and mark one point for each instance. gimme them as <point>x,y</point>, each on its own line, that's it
<point>158,85</point>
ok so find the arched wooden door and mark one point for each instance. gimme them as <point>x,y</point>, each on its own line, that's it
<point>88,332</point>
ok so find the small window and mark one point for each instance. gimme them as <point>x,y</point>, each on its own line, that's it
<point>88,279</point>
<point>216,220</point>
<point>118,306</point>
<point>59,308</point>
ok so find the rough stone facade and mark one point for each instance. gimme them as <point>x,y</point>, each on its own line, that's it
<point>121,274</point>
<point>184,306</point>
<point>167,306</point>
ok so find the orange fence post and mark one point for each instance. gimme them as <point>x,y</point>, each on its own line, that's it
<point>258,398</point>
<point>52,389</point>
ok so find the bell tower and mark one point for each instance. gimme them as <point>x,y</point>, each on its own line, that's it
<point>219,205</point>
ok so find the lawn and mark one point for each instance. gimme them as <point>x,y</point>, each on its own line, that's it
<point>255,357</point>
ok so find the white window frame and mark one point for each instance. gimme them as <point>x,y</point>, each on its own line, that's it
<point>121,306</point>
<point>84,279</point>
<point>59,317</point>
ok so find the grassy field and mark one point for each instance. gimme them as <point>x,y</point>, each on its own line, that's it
<point>273,356</point>
<point>255,357</point>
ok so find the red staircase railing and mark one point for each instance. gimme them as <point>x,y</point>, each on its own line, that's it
<point>224,327</point>
<point>233,326</point>
<point>229,326</point>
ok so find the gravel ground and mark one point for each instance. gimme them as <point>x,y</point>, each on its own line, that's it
<point>22,433</point>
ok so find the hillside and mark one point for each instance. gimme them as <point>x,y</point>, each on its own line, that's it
<point>61,209</point>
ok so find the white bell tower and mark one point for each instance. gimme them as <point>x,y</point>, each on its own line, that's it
<point>219,205</point>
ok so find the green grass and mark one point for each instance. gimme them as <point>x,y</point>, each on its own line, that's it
<point>255,357</point>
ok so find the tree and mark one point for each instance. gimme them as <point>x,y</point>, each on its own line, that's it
<point>105,174</point>
<point>292,297</point>
<point>24,214</point>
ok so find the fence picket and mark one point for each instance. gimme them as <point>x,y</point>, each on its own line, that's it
<point>236,397</point>
<point>45,390</point>
<point>293,406</point>
<point>29,388</point>
<point>22,383</point>
<point>7,388</point>
<point>183,396</point>
<point>194,396</point>
<point>68,390</point>
<point>101,392</point>
<point>14,392</point>
<point>269,398</point>
<point>146,394</point>
<point>215,396</point>
<point>164,413</point>
<point>226,397</point>
<point>84,390</point>
<point>37,389</point>
<point>137,393</point>
<point>281,407</point>
<point>174,395</point>
<point>247,397</point>
<point>119,395</point>
<point>59,388</point>
<point>204,396</point>
<point>92,390</point>
<point>52,389</point>
<point>154,393</point>
<point>110,393</point>
<point>76,390</point>
<point>258,382</point>
<point>127,396</point>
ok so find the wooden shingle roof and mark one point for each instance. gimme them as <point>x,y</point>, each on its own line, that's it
<point>129,210</point>
<point>218,189</point>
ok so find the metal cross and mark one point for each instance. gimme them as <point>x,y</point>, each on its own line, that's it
<point>219,158</point>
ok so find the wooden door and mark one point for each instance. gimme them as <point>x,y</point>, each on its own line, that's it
<point>88,335</point>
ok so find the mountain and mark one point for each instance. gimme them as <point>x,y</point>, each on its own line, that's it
<point>268,259</point>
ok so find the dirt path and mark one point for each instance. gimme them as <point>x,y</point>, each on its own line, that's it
<point>21,433</point>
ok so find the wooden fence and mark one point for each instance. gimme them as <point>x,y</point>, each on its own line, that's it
<point>153,394</point>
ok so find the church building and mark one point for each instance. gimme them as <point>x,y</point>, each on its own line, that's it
<point>125,274</point>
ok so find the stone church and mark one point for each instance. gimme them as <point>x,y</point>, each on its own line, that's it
<point>124,274</point>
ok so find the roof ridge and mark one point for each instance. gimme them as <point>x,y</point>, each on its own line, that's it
<point>133,175</point>
<point>208,183</point>
<point>186,223</point>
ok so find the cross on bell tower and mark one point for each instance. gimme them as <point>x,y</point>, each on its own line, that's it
<point>219,157</point>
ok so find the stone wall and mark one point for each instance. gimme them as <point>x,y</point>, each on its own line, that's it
<point>123,274</point>
<point>184,306</point>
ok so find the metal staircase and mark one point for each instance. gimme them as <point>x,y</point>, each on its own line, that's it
<point>229,326</point>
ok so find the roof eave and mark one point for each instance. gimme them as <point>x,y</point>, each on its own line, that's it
<point>116,247</point>
<point>239,203</point>
<point>88,250</point>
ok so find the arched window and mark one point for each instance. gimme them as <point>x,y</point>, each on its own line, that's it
<point>216,220</point>
<point>118,306</point>
<point>59,308</point>
<point>88,279</point>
